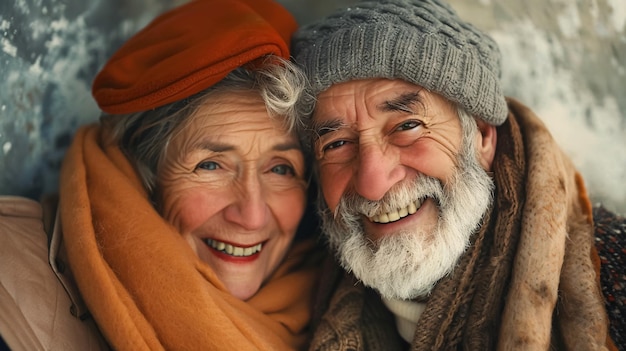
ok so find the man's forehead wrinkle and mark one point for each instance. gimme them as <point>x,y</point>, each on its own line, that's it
<point>406,101</point>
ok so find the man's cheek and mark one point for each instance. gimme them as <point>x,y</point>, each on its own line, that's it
<point>333,187</point>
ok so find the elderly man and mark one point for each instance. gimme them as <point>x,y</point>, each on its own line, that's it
<point>449,200</point>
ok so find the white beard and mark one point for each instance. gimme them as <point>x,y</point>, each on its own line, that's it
<point>409,263</point>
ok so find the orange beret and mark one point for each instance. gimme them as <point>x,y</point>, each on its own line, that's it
<point>188,49</point>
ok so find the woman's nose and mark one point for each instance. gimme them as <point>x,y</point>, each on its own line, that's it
<point>377,171</point>
<point>249,209</point>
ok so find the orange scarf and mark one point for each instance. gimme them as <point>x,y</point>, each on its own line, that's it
<point>145,287</point>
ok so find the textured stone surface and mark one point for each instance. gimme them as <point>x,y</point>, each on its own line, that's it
<point>566,59</point>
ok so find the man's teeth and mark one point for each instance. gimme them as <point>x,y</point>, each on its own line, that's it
<point>234,250</point>
<point>397,214</point>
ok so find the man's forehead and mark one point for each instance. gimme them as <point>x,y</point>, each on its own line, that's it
<point>381,94</point>
<point>369,85</point>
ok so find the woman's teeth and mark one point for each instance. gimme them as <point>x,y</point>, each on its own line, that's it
<point>233,250</point>
<point>397,214</point>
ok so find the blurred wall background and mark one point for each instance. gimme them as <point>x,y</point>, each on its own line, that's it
<point>565,59</point>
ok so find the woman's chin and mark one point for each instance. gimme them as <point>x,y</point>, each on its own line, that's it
<point>243,292</point>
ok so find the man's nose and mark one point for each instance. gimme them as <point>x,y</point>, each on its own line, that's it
<point>378,170</point>
<point>249,210</point>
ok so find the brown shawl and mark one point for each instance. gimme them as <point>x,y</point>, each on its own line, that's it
<point>529,280</point>
<point>145,287</point>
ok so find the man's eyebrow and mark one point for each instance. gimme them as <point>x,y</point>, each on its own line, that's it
<point>321,128</point>
<point>404,102</point>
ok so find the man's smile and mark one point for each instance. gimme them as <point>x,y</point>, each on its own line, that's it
<point>395,215</point>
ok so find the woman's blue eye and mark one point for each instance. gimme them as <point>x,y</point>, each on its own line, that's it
<point>208,165</point>
<point>283,170</point>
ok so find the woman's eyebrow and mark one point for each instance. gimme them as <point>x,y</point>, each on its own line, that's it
<point>215,146</point>
<point>404,102</point>
<point>287,146</point>
<point>224,147</point>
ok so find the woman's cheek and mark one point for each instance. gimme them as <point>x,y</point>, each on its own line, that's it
<point>192,209</point>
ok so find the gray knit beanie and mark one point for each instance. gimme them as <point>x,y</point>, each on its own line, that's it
<point>421,41</point>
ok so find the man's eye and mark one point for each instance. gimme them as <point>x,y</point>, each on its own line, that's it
<point>208,166</point>
<point>335,144</point>
<point>408,125</point>
<point>283,170</point>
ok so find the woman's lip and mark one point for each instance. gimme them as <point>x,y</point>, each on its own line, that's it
<point>234,259</point>
<point>233,252</point>
<point>234,244</point>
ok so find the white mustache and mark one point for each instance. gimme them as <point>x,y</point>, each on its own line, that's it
<point>402,195</point>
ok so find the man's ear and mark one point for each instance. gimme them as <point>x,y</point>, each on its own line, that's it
<point>486,144</point>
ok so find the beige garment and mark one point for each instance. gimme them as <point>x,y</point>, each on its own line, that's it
<point>407,313</point>
<point>34,305</point>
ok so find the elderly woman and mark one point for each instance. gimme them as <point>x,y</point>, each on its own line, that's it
<point>178,213</point>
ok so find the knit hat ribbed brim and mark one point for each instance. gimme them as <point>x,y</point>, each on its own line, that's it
<point>421,41</point>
